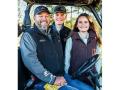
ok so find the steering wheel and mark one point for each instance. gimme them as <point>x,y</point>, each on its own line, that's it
<point>87,66</point>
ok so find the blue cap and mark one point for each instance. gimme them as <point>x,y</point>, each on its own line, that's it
<point>40,9</point>
<point>60,8</point>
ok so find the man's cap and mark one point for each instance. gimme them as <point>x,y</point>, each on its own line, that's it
<point>40,9</point>
<point>59,8</point>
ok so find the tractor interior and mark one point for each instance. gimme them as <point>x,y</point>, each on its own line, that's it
<point>74,8</point>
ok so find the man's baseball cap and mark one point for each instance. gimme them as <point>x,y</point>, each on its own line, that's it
<point>59,8</point>
<point>40,9</point>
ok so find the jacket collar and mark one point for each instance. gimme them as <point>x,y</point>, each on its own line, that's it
<point>54,27</point>
<point>92,34</point>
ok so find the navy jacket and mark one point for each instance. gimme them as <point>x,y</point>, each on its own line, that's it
<point>63,33</point>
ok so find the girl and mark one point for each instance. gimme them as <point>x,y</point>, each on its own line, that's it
<point>83,43</point>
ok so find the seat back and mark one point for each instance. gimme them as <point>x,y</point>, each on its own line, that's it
<point>23,73</point>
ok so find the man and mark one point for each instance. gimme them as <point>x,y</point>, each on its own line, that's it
<point>42,53</point>
<point>59,16</point>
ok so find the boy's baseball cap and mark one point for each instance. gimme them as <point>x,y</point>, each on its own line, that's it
<point>60,8</point>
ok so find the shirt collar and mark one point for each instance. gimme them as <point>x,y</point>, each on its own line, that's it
<point>54,27</point>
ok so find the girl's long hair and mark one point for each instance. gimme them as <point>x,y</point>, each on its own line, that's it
<point>93,26</point>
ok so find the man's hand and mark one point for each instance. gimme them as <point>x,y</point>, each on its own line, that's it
<point>60,81</point>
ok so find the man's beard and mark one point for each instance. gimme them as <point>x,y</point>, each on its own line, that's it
<point>44,25</point>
